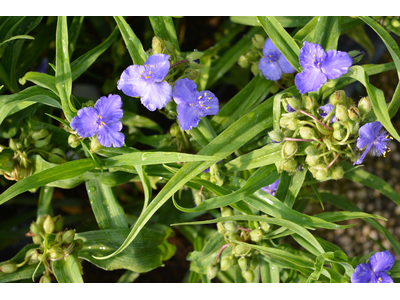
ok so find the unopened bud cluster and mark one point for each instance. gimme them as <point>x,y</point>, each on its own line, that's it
<point>316,137</point>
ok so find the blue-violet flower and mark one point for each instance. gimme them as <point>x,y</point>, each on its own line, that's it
<point>191,104</point>
<point>273,63</point>
<point>326,109</point>
<point>271,189</point>
<point>375,270</point>
<point>147,82</point>
<point>318,66</point>
<point>371,137</point>
<point>103,119</point>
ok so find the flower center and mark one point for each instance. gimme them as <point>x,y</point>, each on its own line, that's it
<point>317,61</point>
<point>99,121</point>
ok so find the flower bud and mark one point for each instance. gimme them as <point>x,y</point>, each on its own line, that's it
<point>29,253</point>
<point>336,126</point>
<point>241,249</point>
<point>199,198</point>
<point>48,225</point>
<point>226,263</point>
<point>312,160</point>
<point>307,132</point>
<point>336,172</point>
<point>258,41</point>
<point>341,113</point>
<point>35,228</point>
<point>157,45</point>
<point>289,122</point>
<point>243,62</point>
<point>226,212</point>
<point>308,102</point>
<point>243,263</point>
<point>294,103</point>
<point>338,97</point>
<point>339,134</point>
<point>95,145</point>
<point>45,279</point>
<point>256,235</point>
<point>354,126</point>
<point>290,165</point>
<point>9,267</point>
<point>276,135</point>
<point>311,150</point>
<point>321,174</point>
<point>220,228</point>
<point>37,239</point>
<point>55,253</point>
<point>265,227</point>
<point>364,106</point>
<point>58,238</point>
<point>58,223</point>
<point>212,271</point>
<point>232,236</point>
<point>68,237</point>
<point>254,69</point>
<point>230,226</point>
<point>248,275</point>
<point>289,149</point>
<point>73,141</point>
<point>57,156</point>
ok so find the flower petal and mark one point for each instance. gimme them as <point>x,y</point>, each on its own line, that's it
<point>285,65</point>
<point>270,49</point>
<point>382,261</point>
<point>109,108</point>
<point>379,144</point>
<point>187,116</point>
<point>367,133</point>
<point>185,91</point>
<point>309,80</point>
<point>308,54</point>
<point>85,123</point>
<point>157,95</point>
<point>109,135</point>
<point>336,63</point>
<point>270,69</point>
<point>362,274</point>
<point>158,65</point>
<point>326,110</point>
<point>381,277</point>
<point>207,104</point>
<point>132,83</point>
<point>361,159</point>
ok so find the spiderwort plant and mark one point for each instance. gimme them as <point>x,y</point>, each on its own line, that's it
<point>319,66</point>
<point>376,270</point>
<point>147,82</point>
<point>191,104</point>
<point>103,119</point>
<point>273,64</point>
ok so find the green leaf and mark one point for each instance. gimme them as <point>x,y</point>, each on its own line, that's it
<point>282,40</point>
<point>338,216</point>
<point>296,182</point>
<point>145,183</point>
<point>146,253</point>
<point>134,120</point>
<point>108,212</point>
<point>68,270</point>
<point>76,26</point>
<point>41,79</point>
<point>27,37</point>
<point>269,272</point>
<point>133,44</point>
<point>327,32</point>
<point>164,28</point>
<point>285,21</point>
<point>45,197</point>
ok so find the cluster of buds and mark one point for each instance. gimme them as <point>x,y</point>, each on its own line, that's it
<point>243,255</point>
<point>330,131</point>
<point>390,23</point>
<point>252,57</point>
<point>14,160</point>
<point>61,242</point>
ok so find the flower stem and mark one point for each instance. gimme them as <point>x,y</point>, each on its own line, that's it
<point>315,119</point>
<point>297,140</point>
<point>219,252</point>
<point>178,63</point>
<point>328,116</point>
<point>333,161</point>
<point>244,229</point>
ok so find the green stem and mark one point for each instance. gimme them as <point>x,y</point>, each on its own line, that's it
<point>315,119</point>
<point>326,153</point>
<point>328,116</point>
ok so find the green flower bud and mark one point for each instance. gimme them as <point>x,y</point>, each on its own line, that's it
<point>336,172</point>
<point>41,138</point>
<point>13,145</point>
<point>34,256</point>
<point>265,227</point>
<point>194,55</point>
<point>40,220</point>
<point>9,267</point>
<point>191,73</point>
<point>308,102</point>
<point>307,132</point>
<point>256,235</point>
<point>230,226</point>
<point>37,239</point>
<point>226,263</point>
<point>276,135</point>
<point>289,149</point>
<point>29,253</point>
<point>321,174</point>
<point>58,238</point>
<point>226,212</point>
<point>212,271</point>
<point>311,150</point>
<point>294,103</point>
<point>57,156</point>
<point>338,97</point>
<point>356,55</point>
<point>243,62</point>
<point>395,23</point>
<point>348,102</point>
<point>95,145</point>
<point>69,236</point>
<point>341,113</point>
<point>243,263</point>
<point>336,126</point>
<point>289,122</point>
<point>73,141</point>
<point>58,223</point>
<point>248,275</point>
<point>254,69</point>
<point>339,134</point>
<point>251,56</point>
<point>364,106</point>
<point>55,253</point>
<point>312,160</point>
<point>354,126</point>
<point>45,279</point>
<point>48,225</point>
<point>157,45</point>
<point>199,198</point>
<point>258,41</point>
<point>215,175</point>
<point>241,249</point>
<point>35,228</point>
<point>232,236</point>
<point>290,165</point>
<point>25,162</point>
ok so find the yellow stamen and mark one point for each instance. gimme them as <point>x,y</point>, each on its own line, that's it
<point>152,66</point>
<point>145,65</point>
<point>207,107</point>
<point>147,77</point>
<point>200,97</point>
<point>149,72</point>
<point>270,61</point>
<point>269,55</point>
<point>209,98</point>
<point>205,94</point>
<point>141,72</point>
<point>201,105</point>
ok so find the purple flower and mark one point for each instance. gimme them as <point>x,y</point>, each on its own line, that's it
<point>318,66</point>
<point>326,109</point>
<point>273,63</point>
<point>192,104</point>
<point>207,170</point>
<point>271,189</point>
<point>42,68</point>
<point>147,82</point>
<point>103,119</point>
<point>290,109</point>
<point>375,270</point>
<point>371,137</point>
